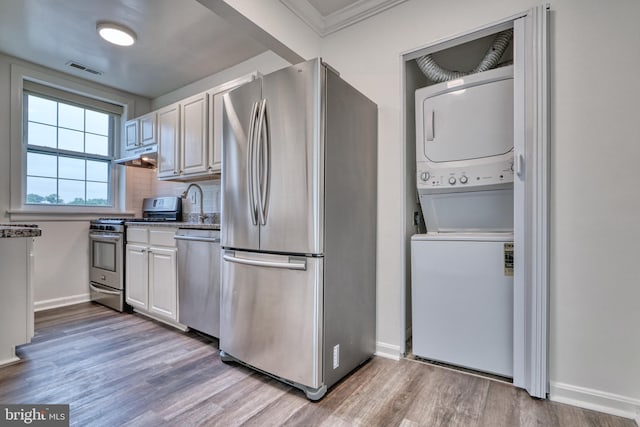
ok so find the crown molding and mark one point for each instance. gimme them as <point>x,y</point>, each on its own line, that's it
<point>349,15</point>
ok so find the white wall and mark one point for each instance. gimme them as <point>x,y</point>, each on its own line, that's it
<point>276,19</point>
<point>595,206</point>
<point>61,271</point>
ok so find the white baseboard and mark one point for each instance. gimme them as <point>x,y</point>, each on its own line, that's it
<point>9,361</point>
<point>387,351</point>
<point>60,302</point>
<point>596,400</point>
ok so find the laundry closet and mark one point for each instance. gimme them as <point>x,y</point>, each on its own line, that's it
<point>466,102</point>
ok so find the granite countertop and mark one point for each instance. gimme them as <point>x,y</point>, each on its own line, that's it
<point>174,224</point>
<point>19,230</point>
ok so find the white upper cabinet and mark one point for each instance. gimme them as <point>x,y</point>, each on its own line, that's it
<point>147,129</point>
<point>216,107</point>
<point>130,134</point>
<point>168,141</point>
<point>194,142</point>
<point>189,134</point>
<point>140,131</point>
<point>215,131</point>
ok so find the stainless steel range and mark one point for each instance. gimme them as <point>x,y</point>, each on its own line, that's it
<point>106,262</point>
<point>107,240</point>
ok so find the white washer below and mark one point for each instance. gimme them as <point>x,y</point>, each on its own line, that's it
<point>462,300</point>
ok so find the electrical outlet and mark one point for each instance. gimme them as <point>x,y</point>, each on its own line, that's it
<point>336,356</point>
<point>193,197</point>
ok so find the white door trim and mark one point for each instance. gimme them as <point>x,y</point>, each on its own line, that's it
<point>531,151</point>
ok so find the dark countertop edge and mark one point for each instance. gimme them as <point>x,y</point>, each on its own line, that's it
<point>172,224</point>
<point>19,230</point>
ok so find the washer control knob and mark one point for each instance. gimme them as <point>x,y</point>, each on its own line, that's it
<point>425,176</point>
<point>464,179</point>
<point>452,180</point>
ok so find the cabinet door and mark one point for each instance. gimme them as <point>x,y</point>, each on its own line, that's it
<point>168,140</point>
<point>163,282</point>
<point>137,283</point>
<point>216,105</point>
<point>147,128</point>
<point>215,133</point>
<point>130,134</point>
<point>193,135</point>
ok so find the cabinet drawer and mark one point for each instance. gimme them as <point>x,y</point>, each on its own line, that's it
<point>162,237</point>
<point>137,234</point>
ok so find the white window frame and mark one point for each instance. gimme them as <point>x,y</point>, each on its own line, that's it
<point>21,211</point>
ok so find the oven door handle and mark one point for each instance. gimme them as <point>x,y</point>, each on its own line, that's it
<point>103,291</point>
<point>105,236</point>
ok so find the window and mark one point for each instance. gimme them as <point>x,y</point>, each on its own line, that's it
<point>69,142</point>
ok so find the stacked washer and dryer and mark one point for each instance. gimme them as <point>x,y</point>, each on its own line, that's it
<point>462,268</point>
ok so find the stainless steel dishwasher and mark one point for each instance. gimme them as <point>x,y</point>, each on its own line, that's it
<point>199,279</point>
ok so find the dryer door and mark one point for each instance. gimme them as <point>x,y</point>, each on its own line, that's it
<point>469,122</point>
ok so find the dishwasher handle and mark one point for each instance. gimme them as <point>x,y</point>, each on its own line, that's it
<point>198,239</point>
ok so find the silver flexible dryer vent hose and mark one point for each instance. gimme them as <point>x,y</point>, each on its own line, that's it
<point>438,74</point>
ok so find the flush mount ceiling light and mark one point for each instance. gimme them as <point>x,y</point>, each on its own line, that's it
<point>116,33</point>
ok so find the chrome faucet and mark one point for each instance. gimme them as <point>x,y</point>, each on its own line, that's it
<point>184,196</point>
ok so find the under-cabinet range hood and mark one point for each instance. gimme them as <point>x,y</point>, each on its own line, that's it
<point>145,157</point>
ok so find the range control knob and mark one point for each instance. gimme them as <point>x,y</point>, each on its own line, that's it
<point>452,180</point>
<point>464,179</point>
<point>425,176</point>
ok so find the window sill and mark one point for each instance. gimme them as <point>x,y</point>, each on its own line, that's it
<point>62,214</point>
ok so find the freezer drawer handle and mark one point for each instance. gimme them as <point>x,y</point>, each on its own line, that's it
<point>103,291</point>
<point>198,239</point>
<point>291,265</point>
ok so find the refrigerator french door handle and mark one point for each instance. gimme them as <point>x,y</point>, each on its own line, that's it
<point>250,165</point>
<point>293,264</point>
<point>263,157</point>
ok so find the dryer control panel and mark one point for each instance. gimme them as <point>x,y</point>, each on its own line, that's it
<point>468,177</point>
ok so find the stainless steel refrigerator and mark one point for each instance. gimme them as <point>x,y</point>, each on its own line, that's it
<point>298,226</point>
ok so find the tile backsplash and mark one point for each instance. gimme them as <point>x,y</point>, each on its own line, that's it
<point>143,183</point>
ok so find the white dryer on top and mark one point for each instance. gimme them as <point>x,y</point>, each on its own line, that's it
<point>464,153</point>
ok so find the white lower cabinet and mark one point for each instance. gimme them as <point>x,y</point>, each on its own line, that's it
<point>151,272</point>
<point>163,284</point>
<point>16,298</point>
<point>137,280</point>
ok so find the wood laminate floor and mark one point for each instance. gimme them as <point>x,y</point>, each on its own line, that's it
<point>121,369</point>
